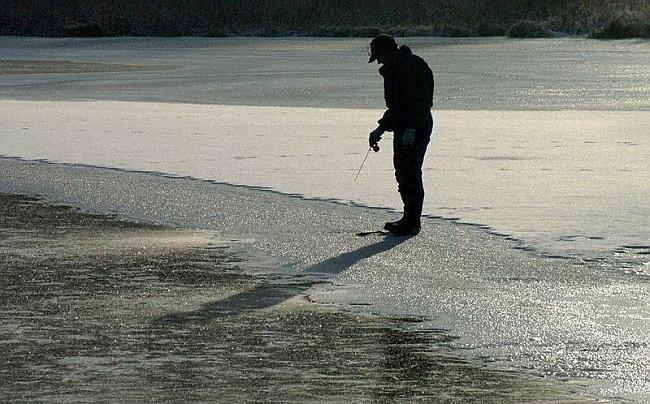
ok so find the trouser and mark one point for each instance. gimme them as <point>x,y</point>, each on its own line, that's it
<point>408,161</point>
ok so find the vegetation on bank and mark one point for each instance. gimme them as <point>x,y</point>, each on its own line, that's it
<point>336,18</point>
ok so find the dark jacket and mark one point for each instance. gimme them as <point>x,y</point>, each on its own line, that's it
<point>408,91</point>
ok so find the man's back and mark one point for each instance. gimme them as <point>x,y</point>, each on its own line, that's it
<point>408,89</point>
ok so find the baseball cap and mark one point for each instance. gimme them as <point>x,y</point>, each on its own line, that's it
<point>380,42</point>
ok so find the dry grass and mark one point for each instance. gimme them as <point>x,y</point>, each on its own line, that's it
<point>317,17</point>
<point>529,29</point>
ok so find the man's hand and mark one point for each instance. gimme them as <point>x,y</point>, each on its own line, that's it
<point>408,137</point>
<point>375,136</point>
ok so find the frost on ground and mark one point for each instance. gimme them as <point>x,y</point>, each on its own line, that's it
<point>583,325</point>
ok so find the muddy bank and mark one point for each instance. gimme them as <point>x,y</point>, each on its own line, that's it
<point>84,294</point>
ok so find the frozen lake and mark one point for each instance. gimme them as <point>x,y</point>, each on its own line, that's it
<point>471,74</point>
<point>542,140</point>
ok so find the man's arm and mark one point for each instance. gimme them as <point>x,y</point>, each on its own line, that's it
<point>387,122</point>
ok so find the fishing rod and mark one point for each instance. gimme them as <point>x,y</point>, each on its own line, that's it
<point>374,147</point>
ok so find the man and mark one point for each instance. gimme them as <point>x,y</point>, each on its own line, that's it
<point>408,91</point>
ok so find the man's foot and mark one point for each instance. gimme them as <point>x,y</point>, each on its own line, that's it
<point>402,229</point>
<point>395,223</point>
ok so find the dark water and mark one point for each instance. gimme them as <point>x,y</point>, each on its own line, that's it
<point>82,304</point>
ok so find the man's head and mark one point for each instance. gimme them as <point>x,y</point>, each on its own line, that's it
<point>382,48</point>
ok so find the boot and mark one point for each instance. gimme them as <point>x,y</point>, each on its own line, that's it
<point>409,224</point>
<point>399,222</point>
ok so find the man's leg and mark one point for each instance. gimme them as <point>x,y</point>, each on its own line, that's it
<point>408,161</point>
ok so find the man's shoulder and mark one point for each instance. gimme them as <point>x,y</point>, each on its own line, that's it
<point>414,64</point>
<point>418,60</point>
<point>411,59</point>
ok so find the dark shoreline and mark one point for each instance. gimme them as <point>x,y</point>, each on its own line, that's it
<point>83,291</point>
<point>537,31</point>
<point>326,18</point>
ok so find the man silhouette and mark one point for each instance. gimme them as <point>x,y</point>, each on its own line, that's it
<point>408,91</point>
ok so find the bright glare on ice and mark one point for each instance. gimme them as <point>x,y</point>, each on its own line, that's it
<point>567,182</point>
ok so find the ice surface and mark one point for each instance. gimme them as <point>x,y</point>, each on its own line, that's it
<point>545,141</point>
<point>572,322</point>
<point>557,167</point>
<point>566,182</point>
<point>470,73</point>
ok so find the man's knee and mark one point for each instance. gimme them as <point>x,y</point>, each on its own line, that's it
<point>411,184</point>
